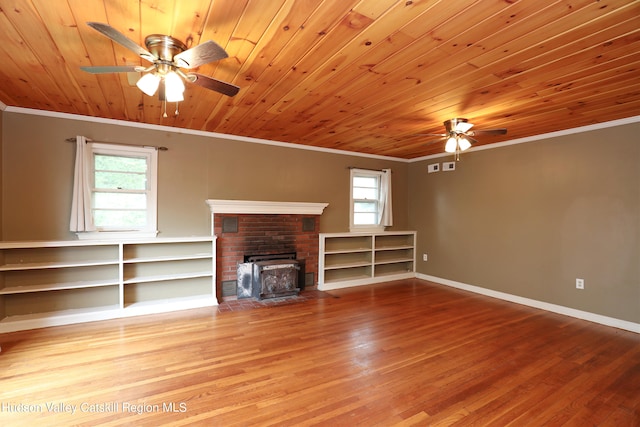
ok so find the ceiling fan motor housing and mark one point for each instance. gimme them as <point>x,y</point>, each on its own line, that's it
<point>451,124</point>
<point>164,47</point>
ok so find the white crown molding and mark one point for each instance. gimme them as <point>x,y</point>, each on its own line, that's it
<point>554,308</point>
<point>534,138</point>
<point>162,128</point>
<point>264,207</point>
<point>3,106</point>
<point>605,125</point>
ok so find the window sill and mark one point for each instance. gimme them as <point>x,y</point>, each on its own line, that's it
<point>367,229</point>
<point>115,235</point>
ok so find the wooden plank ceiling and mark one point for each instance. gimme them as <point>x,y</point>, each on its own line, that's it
<point>359,75</point>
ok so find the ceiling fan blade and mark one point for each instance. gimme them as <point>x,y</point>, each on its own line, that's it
<point>110,69</point>
<point>431,134</point>
<point>489,132</point>
<point>213,84</point>
<point>198,55</point>
<point>121,39</point>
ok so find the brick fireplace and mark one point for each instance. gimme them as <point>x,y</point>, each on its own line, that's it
<point>250,228</point>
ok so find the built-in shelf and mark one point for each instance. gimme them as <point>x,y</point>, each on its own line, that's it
<point>55,283</point>
<point>354,259</point>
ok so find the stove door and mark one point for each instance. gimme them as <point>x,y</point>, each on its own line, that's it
<point>245,280</point>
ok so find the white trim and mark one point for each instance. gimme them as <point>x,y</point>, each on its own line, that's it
<point>69,116</point>
<point>265,207</point>
<point>3,106</point>
<point>150,154</point>
<point>363,282</point>
<point>554,308</point>
<point>588,128</point>
<point>169,305</point>
<point>68,317</point>
<point>373,228</point>
<point>116,235</point>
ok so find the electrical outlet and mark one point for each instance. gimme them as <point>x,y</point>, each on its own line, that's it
<point>434,167</point>
<point>579,283</point>
<point>449,166</point>
<point>425,257</point>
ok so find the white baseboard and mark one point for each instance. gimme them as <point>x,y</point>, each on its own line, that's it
<point>584,315</point>
<point>363,282</point>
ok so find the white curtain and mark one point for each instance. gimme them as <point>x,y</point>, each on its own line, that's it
<point>81,219</point>
<point>385,215</point>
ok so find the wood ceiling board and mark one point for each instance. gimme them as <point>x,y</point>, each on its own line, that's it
<point>22,29</point>
<point>282,73</point>
<point>546,32</point>
<point>289,18</point>
<point>355,75</point>
<point>245,40</point>
<point>285,24</point>
<point>64,35</point>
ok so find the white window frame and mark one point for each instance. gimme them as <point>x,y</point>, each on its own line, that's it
<point>151,153</point>
<point>364,227</point>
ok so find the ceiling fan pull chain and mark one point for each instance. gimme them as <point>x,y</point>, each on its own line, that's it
<point>177,112</point>
<point>164,104</point>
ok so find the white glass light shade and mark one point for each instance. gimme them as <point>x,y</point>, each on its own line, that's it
<point>149,83</point>
<point>463,126</point>
<point>450,146</point>
<point>174,87</point>
<point>463,143</point>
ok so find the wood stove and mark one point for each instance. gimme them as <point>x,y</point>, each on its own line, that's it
<point>268,276</point>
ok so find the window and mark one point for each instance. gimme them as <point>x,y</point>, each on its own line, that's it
<point>365,200</point>
<point>123,188</point>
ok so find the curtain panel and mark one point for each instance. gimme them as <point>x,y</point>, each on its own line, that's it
<point>385,214</point>
<point>81,218</point>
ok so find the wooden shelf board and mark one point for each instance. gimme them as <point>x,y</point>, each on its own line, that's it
<point>57,286</point>
<point>168,258</point>
<point>393,248</point>
<point>62,264</point>
<point>28,244</point>
<point>167,277</point>
<point>393,261</point>
<point>347,251</point>
<point>347,265</point>
<point>161,240</point>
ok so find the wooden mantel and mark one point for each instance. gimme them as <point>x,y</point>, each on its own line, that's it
<point>218,206</point>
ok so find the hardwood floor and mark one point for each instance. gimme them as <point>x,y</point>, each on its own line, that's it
<point>401,353</point>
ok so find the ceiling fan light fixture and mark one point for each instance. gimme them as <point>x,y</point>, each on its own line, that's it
<point>174,87</point>
<point>451,145</point>
<point>463,143</point>
<point>167,54</point>
<point>149,83</point>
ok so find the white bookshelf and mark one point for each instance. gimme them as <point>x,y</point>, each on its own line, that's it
<point>354,259</point>
<point>56,283</point>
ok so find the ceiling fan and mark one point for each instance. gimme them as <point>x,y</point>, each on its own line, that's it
<point>167,55</point>
<point>459,135</point>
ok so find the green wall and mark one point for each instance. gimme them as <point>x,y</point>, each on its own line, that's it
<point>1,170</point>
<point>524,219</point>
<point>38,176</point>
<point>529,219</point>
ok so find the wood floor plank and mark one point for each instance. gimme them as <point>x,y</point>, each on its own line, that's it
<point>395,354</point>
